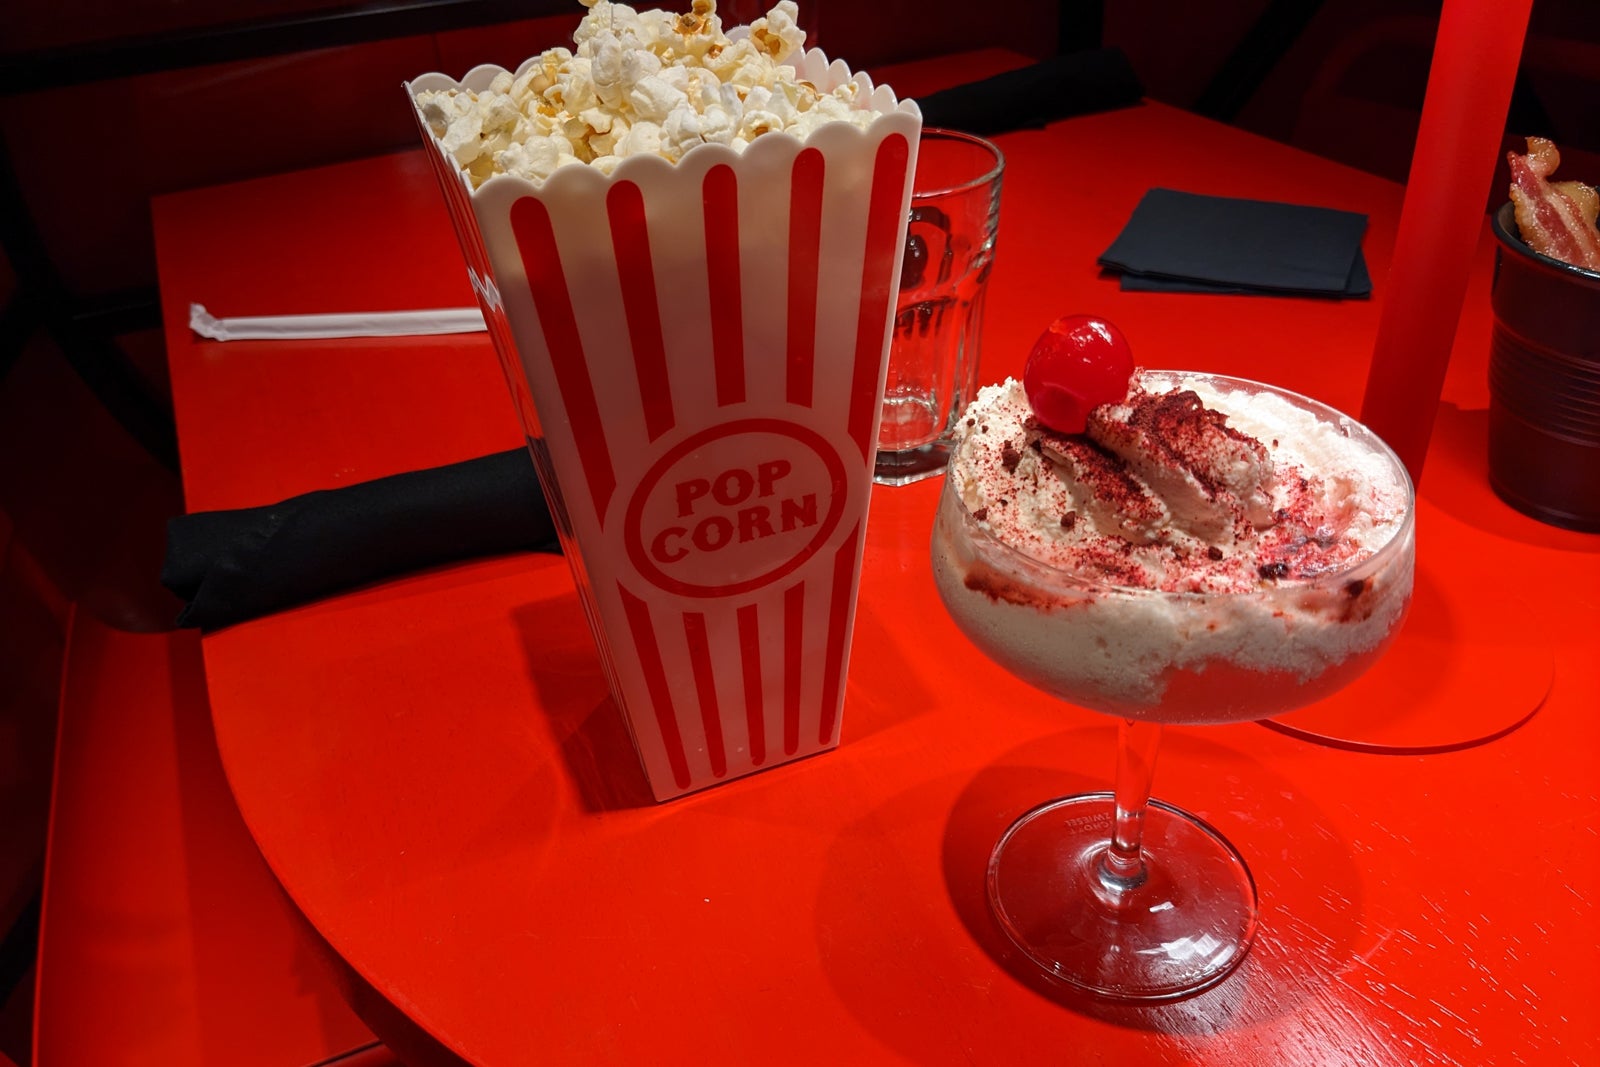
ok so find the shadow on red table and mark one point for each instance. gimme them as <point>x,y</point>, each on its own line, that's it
<point>884,647</point>
<point>885,962</point>
<point>1472,663</point>
<point>575,702</point>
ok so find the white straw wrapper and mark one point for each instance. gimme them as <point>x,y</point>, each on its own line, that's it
<point>343,324</point>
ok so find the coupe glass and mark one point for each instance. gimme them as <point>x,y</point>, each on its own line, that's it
<point>1114,893</point>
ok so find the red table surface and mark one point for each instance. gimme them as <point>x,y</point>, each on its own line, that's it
<point>435,772</point>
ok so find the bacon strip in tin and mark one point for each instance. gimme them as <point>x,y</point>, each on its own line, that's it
<point>1557,219</point>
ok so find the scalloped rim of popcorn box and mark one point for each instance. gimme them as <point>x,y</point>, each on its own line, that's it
<point>814,66</point>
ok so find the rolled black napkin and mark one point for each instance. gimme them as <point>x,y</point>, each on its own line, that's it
<point>236,565</point>
<point>1074,84</point>
<point>1186,242</point>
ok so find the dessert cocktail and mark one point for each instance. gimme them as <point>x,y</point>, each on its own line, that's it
<point>1181,548</point>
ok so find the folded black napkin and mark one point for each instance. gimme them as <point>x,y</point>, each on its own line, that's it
<point>1074,84</point>
<point>236,565</point>
<point>1185,242</point>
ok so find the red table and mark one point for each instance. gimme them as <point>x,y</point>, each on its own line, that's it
<point>434,771</point>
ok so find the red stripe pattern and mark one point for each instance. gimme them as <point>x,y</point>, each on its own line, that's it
<point>883,245</point>
<point>705,687</point>
<point>844,576</point>
<point>720,193</point>
<point>794,636</point>
<point>755,718</point>
<point>655,679</point>
<point>805,243</point>
<point>541,258</point>
<point>630,242</point>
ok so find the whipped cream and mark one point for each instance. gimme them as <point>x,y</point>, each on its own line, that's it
<point>1206,551</point>
<point>1180,488</point>
<point>637,82</point>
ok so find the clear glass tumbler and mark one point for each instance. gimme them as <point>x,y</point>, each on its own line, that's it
<point>933,356</point>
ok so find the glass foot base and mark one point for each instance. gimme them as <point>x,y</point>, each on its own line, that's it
<point>911,464</point>
<point>1180,930</point>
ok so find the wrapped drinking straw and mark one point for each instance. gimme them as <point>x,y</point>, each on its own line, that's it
<point>1474,67</point>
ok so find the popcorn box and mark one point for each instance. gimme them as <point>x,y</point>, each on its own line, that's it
<point>697,353</point>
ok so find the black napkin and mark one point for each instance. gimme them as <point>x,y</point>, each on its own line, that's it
<point>1185,242</point>
<point>1074,84</point>
<point>236,565</point>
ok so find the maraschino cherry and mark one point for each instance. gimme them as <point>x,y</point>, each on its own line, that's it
<point>1079,363</point>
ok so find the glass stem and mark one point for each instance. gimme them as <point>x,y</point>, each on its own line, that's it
<point>1122,864</point>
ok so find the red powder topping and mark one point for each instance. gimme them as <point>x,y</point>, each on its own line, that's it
<point>1183,432</point>
<point>1010,457</point>
<point>1103,515</point>
<point>1102,473</point>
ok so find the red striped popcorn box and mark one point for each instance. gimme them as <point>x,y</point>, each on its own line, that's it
<point>697,351</point>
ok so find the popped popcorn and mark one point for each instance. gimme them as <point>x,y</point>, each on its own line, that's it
<point>638,82</point>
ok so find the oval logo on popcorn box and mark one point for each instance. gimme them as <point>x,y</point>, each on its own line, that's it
<point>735,507</point>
